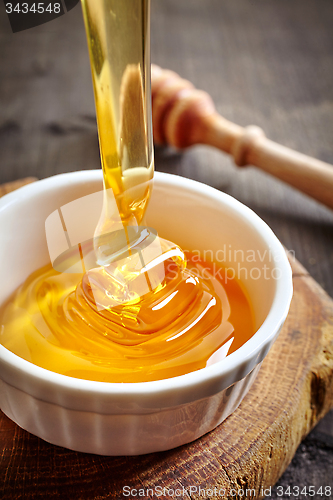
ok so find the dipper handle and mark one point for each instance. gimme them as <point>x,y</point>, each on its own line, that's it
<point>184,116</point>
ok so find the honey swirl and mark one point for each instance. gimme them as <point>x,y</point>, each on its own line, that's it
<point>53,321</point>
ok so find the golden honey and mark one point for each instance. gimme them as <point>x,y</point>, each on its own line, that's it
<point>119,50</point>
<point>146,311</point>
<point>52,321</point>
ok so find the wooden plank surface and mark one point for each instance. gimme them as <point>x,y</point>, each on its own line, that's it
<point>247,453</point>
<point>266,62</point>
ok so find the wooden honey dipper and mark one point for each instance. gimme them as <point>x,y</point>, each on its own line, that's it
<point>184,116</point>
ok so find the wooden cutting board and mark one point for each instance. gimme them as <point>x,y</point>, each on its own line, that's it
<point>250,450</point>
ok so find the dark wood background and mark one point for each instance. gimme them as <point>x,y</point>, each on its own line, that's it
<point>264,62</point>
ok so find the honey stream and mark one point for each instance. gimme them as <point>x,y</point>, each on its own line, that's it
<point>144,310</point>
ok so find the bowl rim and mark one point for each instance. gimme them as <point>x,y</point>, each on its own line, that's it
<point>231,369</point>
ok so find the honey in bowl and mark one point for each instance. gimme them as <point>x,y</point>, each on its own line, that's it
<point>53,321</point>
<point>144,310</point>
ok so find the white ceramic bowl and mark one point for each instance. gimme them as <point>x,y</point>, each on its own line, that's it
<point>137,418</point>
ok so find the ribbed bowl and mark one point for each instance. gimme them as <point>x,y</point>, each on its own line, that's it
<point>137,418</point>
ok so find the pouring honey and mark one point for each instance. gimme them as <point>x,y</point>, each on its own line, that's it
<point>144,309</point>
